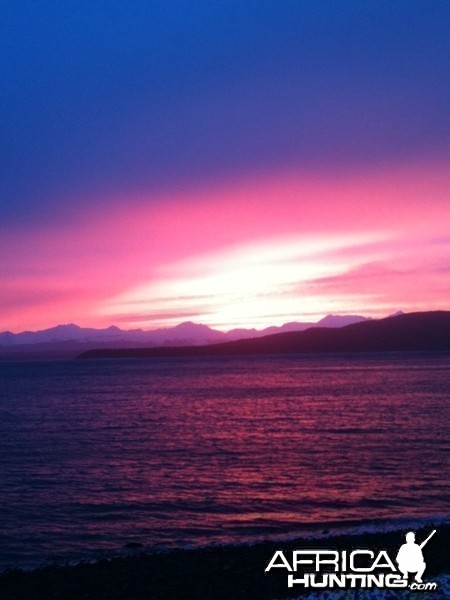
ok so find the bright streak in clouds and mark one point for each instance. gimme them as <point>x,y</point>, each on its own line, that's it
<point>254,285</point>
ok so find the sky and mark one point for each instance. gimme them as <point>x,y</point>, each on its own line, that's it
<point>237,164</point>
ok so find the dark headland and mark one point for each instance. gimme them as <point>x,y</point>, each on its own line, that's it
<point>421,331</point>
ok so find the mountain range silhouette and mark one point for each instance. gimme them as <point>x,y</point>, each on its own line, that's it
<point>67,341</point>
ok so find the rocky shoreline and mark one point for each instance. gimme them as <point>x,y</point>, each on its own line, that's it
<point>216,573</point>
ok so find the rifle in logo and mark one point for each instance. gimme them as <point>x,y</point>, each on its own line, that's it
<point>410,557</point>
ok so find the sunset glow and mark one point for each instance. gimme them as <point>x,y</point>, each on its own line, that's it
<point>235,190</point>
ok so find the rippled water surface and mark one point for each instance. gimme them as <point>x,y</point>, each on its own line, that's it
<point>167,453</point>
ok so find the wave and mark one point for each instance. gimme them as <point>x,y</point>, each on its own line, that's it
<point>254,536</point>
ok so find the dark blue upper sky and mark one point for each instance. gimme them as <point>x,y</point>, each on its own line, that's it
<point>111,96</point>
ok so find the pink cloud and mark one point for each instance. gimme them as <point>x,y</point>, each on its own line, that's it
<point>70,273</point>
<point>416,278</point>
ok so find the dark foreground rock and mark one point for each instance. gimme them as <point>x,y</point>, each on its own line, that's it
<point>222,573</point>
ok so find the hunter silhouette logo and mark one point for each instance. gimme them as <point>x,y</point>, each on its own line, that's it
<point>361,568</point>
<point>410,557</point>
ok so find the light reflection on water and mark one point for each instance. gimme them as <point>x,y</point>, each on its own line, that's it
<point>195,451</point>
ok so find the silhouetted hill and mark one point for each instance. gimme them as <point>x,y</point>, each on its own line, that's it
<point>427,331</point>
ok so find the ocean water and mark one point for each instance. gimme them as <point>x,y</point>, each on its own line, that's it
<point>98,455</point>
